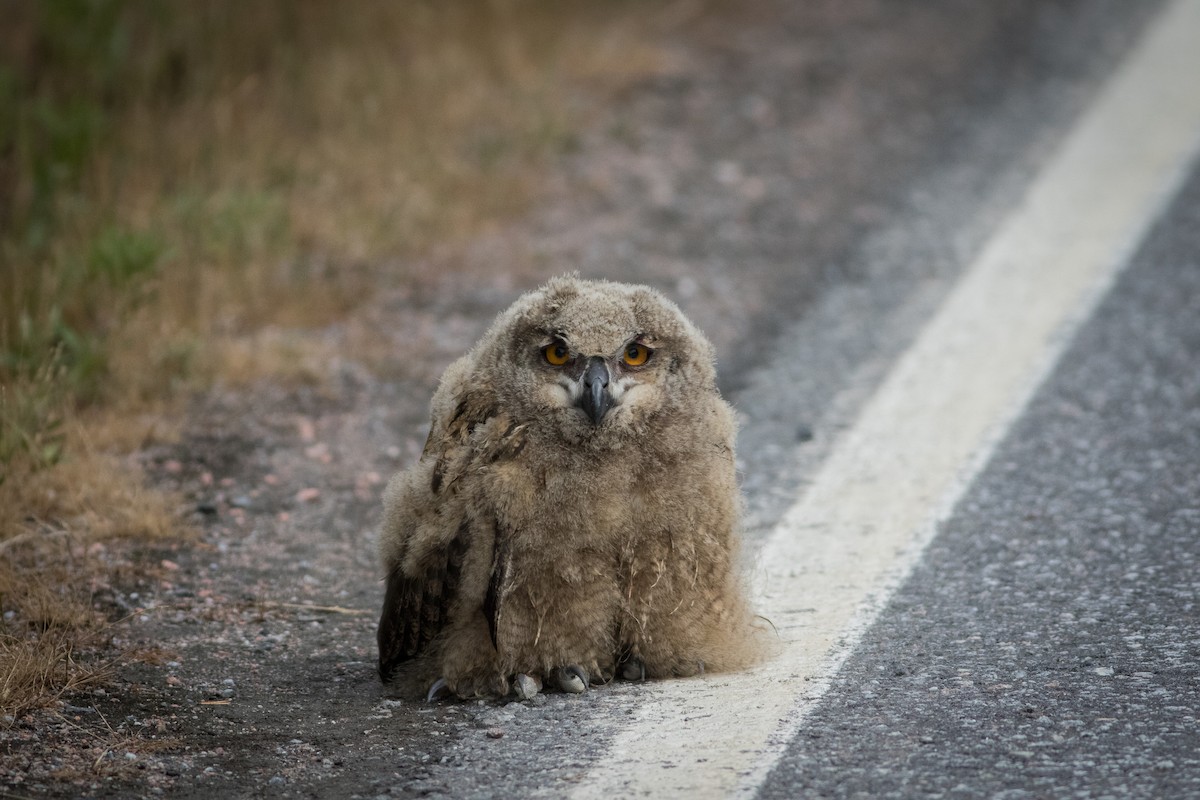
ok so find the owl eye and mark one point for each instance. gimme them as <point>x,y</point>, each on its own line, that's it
<point>636,354</point>
<point>556,354</point>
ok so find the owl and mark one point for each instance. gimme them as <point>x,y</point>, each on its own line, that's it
<point>574,514</point>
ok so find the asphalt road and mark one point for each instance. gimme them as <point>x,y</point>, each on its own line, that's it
<point>1048,645</point>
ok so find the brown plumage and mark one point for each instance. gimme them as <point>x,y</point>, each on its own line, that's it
<point>574,514</point>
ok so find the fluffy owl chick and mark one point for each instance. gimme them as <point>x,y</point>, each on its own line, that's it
<point>574,514</point>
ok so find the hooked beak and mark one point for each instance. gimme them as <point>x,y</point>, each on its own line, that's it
<point>595,399</point>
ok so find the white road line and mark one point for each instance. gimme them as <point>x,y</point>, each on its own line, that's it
<point>856,532</point>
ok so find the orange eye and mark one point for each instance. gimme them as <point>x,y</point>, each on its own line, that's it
<point>636,354</point>
<point>556,354</point>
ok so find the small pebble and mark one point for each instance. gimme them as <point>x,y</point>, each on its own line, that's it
<point>495,733</point>
<point>308,495</point>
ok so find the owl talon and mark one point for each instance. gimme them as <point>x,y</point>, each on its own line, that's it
<point>633,670</point>
<point>439,690</point>
<point>572,679</point>
<point>526,687</point>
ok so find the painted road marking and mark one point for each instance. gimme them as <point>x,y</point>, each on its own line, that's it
<point>856,532</point>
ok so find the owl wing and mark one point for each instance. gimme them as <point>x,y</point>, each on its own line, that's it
<point>433,521</point>
<point>416,604</point>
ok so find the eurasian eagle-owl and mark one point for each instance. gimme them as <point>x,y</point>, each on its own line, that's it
<point>574,514</point>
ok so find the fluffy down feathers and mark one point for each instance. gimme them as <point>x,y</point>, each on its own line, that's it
<point>576,514</point>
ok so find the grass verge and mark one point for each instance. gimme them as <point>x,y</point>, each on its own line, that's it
<point>182,185</point>
<point>54,639</point>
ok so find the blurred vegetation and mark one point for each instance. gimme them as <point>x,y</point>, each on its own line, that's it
<point>171,174</point>
<point>177,179</point>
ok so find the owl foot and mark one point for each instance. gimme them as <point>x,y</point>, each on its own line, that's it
<point>526,686</point>
<point>633,670</point>
<point>439,690</point>
<point>572,679</point>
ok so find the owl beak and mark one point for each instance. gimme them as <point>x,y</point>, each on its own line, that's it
<point>595,399</point>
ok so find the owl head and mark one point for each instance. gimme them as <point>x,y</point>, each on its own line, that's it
<point>594,361</point>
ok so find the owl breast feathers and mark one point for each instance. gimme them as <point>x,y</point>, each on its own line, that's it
<point>574,514</point>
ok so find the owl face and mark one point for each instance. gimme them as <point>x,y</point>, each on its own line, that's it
<point>597,382</point>
<point>596,361</point>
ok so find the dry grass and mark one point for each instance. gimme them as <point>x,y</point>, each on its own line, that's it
<point>52,641</point>
<point>269,163</point>
<point>87,496</point>
<point>39,669</point>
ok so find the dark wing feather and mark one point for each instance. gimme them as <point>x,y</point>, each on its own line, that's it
<point>493,602</point>
<point>417,605</point>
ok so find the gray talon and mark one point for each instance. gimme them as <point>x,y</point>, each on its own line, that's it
<point>437,691</point>
<point>633,670</point>
<point>572,679</point>
<point>526,686</point>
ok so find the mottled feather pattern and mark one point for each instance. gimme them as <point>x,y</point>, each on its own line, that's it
<point>532,536</point>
